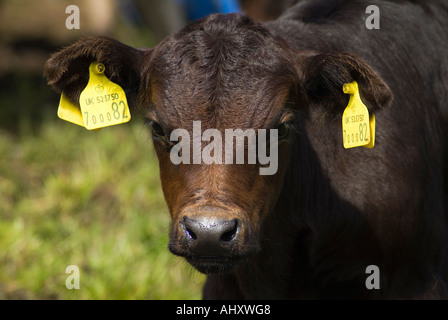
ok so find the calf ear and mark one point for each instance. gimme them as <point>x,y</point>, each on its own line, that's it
<point>324,76</point>
<point>68,70</point>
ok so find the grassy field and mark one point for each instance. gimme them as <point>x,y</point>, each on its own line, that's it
<point>92,199</point>
<point>73,197</point>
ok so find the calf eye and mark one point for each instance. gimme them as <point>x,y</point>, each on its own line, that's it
<point>157,129</point>
<point>283,130</point>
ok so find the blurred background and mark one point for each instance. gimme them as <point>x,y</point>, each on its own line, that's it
<point>73,197</point>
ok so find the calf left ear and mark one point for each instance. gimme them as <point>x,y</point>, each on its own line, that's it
<point>324,76</point>
<point>68,70</point>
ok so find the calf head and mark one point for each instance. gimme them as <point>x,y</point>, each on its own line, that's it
<point>228,72</point>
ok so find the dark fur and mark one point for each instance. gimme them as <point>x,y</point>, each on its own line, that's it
<point>311,230</point>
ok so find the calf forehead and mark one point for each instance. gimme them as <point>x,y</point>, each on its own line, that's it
<point>238,75</point>
<point>247,105</point>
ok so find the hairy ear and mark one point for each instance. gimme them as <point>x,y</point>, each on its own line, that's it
<point>68,69</point>
<point>324,75</point>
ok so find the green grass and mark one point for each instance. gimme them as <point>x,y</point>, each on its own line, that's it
<point>92,199</point>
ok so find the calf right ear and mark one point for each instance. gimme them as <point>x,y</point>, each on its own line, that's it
<point>324,76</point>
<point>68,70</point>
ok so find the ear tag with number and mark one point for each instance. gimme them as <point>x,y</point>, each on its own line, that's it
<point>358,127</point>
<point>103,103</point>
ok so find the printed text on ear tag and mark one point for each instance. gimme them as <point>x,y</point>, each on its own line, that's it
<point>358,128</point>
<point>103,103</point>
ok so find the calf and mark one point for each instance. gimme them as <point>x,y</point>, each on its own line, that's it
<point>311,229</point>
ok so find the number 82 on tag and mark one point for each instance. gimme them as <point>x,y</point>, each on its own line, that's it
<point>98,116</point>
<point>354,137</point>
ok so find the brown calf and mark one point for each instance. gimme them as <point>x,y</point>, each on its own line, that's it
<point>311,229</point>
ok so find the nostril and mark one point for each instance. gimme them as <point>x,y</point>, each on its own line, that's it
<point>191,234</point>
<point>231,233</point>
<point>188,225</point>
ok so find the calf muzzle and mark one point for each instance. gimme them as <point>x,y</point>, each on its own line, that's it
<point>212,240</point>
<point>210,236</point>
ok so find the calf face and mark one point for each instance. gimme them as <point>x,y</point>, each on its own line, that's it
<point>227,72</point>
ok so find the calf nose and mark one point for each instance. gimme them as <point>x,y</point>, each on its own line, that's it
<point>210,236</point>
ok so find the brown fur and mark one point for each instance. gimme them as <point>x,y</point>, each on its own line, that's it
<point>310,230</point>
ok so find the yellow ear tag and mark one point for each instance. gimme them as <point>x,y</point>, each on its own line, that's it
<point>103,103</point>
<point>372,132</point>
<point>69,112</point>
<point>358,127</point>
